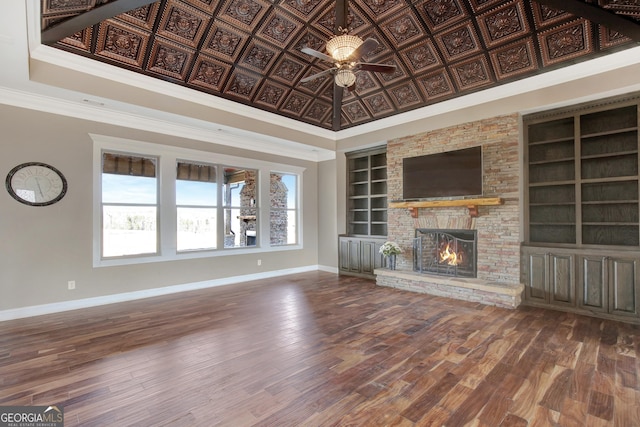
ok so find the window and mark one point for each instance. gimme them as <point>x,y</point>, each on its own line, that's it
<point>240,207</point>
<point>283,203</point>
<point>196,212</point>
<point>159,203</point>
<point>129,205</point>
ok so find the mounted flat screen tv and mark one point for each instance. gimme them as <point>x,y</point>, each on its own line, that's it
<point>453,173</point>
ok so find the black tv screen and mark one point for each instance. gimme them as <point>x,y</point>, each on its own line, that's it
<point>453,173</point>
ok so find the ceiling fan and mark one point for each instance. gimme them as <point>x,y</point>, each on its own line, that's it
<point>345,51</point>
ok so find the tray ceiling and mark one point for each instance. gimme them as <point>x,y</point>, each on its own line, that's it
<point>248,51</point>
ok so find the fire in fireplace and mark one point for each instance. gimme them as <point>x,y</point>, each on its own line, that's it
<point>445,252</point>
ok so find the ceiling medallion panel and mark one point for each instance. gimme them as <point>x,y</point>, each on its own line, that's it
<point>609,38</point>
<point>242,84</point>
<point>209,73</point>
<point>566,42</point>
<point>143,17</point>
<point>479,5</point>
<point>382,8</point>
<point>318,111</point>
<point>60,7</point>
<point>296,103</point>
<point>258,56</point>
<point>224,42</point>
<point>182,23</point>
<point>302,8</point>
<point>405,95</point>
<point>545,16</point>
<point>439,14</point>
<point>288,69</point>
<point>365,83</point>
<point>206,5</point>
<point>514,59</point>
<point>327,20</point>
<point>271,95</point>
<point>422,56</point>
<point>628,7</point>
<point>459,42</point>
<point>378,104</point>
<point>121,43</point>
<point>279,28</point>
<point>472,73</point>
<point>503,24</point>
<point>436,85</point>
<point>403,30</point>
<point>169,59</point>
<point>80,40</point>
<point>244,14</point>
<point>355,112</point>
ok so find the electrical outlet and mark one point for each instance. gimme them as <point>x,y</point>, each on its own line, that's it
<point>71,284</point>
<point>259,262</point>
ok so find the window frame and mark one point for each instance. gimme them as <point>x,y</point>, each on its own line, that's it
<point>168,156</point>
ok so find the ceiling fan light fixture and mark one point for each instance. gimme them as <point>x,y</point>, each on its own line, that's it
<point>342,46</point>
<point>345,77</point>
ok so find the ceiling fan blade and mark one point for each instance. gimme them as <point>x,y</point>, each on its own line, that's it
<point>317,54</point>
<point>367,46</point>
<point>316,75</point>
<point>378,68</point>
<point>338,92</point>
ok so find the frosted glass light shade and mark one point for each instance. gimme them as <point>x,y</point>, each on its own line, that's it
<point>341,47</point>
<point>345,78</point>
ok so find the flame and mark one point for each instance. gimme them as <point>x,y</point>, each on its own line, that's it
<point>450,257</point>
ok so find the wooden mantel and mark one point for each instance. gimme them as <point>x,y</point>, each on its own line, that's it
<point>471,204</point>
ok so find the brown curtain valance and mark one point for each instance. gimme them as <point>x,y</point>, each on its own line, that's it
<point>196,172</point>
<point>122,164</point>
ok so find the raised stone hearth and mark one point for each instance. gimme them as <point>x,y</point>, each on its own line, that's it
<point>466,289</point>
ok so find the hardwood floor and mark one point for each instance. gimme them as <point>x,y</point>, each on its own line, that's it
<point>316,349</point>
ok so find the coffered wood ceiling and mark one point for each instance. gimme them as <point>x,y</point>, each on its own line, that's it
<point>248,51</point>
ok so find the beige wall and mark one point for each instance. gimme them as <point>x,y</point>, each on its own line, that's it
<point>327,216</point>
<point>42,248</point>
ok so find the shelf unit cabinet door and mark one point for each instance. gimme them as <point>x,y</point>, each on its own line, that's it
<point>623,287</point>
<point>368,256</point>
<point>592,294</point>
<point>537,288</point>
<point>350,255</point>
<point>562,280</point>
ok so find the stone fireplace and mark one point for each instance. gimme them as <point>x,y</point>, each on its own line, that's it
<point>445,252</point>
<point>494,278</point>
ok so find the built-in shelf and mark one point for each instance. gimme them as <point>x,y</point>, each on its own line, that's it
<point>471,204</point>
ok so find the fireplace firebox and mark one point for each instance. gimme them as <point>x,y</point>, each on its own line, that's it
<point>445,252</point>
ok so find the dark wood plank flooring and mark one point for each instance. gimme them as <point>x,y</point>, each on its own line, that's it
<point>316,349</point>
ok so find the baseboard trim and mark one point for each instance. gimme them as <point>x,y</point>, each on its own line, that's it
<point>39,310</point>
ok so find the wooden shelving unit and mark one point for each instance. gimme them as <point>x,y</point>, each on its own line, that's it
<point>367,193</point>
<point>583,179</point>
<point>582,209</point>
<point>471,204</point>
